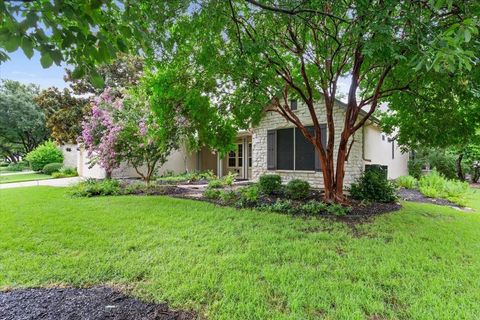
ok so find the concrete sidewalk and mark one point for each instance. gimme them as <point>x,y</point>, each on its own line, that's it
<point>3,174</point>
<point>62,182</point>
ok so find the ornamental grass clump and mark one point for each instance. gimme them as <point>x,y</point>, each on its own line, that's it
<point>434,185</point>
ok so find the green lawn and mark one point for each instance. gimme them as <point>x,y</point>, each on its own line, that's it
<point>21,177</point>
<point>420,263</point>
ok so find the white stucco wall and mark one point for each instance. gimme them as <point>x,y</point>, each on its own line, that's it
<point>378,150</point>
<point>70,155</point>
<point>179,161</point>
<point>353,167</point>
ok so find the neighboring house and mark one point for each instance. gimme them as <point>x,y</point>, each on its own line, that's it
<point>276,146</point>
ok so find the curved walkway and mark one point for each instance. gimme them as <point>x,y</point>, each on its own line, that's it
<point>61,182</point>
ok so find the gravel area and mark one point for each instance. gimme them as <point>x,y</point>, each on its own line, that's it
<point>86,304</point>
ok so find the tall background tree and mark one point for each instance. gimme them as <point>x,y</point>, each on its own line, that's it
<point>22,122</point>
<point>64,113</point>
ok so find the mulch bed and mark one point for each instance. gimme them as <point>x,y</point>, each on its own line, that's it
<point>417,196</point>
<point>92,303</point>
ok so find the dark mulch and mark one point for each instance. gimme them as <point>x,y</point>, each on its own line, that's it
<point>93,303</point>
<point>417,196</point>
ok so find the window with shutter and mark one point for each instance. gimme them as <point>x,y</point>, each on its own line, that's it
<point>304,151</point>
<point>271,149</point>
<point>285,140</point>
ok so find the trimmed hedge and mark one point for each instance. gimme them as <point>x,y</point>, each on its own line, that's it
<point>297,189</point>
<point>270,183</point>
<point>52,167</point>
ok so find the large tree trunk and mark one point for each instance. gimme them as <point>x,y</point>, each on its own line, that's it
<point>460,174</point>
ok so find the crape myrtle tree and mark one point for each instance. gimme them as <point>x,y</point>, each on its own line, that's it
<point>248,55</point>
<point>122,128</point>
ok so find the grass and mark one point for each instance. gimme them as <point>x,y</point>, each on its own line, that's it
<point>22,177</point>
<point>419,263</point>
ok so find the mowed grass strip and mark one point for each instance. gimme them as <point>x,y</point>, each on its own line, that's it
<point>22,177</point>
<point>422,262</point>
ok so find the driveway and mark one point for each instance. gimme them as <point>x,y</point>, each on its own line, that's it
<point>62,182</point>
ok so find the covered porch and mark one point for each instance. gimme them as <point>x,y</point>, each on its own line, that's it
<point>238,161</point>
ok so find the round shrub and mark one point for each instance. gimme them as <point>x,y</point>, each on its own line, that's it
<point>270,183</point>
<point>373,186</point>
<point>14,167</point>
<point>297,189</point>
<point>44,154</point>
<point>52,167</point>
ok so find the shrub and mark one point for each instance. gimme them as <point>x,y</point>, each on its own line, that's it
<point>215,184</point>
<point>52,167</point>
<point>135,188</point>
<point>229,179</point>
<point>313,207</point>
<point>373,186</point>
<point>415,168</point>
<point>407,182</point>
<point>443,162</point>
<point>4,164</point>
<point>92,187</point>
<point>434,185</point>
<point>44,154</point>
<point>282,206</point>
<point>297,189</point>
<point>249,196</point>
<point>270,183</point>
<point>211,193</point>
<point>65,173</point>
<point>338,210</point>
<point>228,196</point>
<point>14,167</point>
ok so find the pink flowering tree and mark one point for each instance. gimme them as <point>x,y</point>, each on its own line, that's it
<point>122,128</point>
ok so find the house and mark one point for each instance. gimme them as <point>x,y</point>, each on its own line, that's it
<point>276,146</point>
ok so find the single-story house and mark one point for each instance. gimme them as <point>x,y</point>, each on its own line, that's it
<point>276,146</point>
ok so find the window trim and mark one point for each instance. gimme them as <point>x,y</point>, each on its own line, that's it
<point>238,159</point>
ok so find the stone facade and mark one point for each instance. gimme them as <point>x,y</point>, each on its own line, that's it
<point>272,120</point>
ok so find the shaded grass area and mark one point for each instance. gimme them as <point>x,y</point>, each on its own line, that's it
<point>419,263</point>
<point>21,177</point>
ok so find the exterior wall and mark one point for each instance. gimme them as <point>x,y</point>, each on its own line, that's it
<point>179,161</point>
<point>378,150</point>
<point>353,167</point>
<point>70,155</point>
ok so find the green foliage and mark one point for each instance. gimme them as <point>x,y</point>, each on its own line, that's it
<point>249,196</point>
<point>297,189</point>
<point>415,168</point>
<point>443,162</point>
<point>283,206</point>
<point>43,155</point>
<point>313,207</point>
<point>338,210</point>
<point>65,172</point>
<point>52,167</point>
<point>229,179</point>
<point>270,184</point>
<point>92,187</point>
<point>15,167</point>
<point>228,196</point>
<point>407,182</point>
<point>215,184</point>
<point>373,186</point>
<point>434,185</point>
<point>212,193</point>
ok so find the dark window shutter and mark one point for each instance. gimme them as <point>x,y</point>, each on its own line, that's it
<point>323,129</point>
<point>293,104</point>
<point>304,151</point>
<point>271,149</point>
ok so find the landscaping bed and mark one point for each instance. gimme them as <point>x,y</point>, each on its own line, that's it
<point>417,196</point>
<point>73,303</point>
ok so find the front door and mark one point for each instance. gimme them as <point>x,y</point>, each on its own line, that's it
<point>240,160</point>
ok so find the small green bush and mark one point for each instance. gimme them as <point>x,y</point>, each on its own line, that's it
<point>297,189</point>
<point>249,196</point>
<point>15,167</point>
<point>270,184</point>
<point>229,179</point>
<point>92,187</point>
<point>434,185</point>
<point>228,196</point>
<point>407,182</point>
<point>313,207</point>
<point>373,186</point>
<point>65,173</point>
<point>211,193</point>
<point>415,168</point>
<point>283,206</point>
<point>52,167</point>
<point>44,154</point>
<point>215,184</point>
<point>3,164</point>
<point>338,210</point>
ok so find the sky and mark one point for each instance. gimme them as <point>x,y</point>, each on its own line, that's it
<point>21,69</point>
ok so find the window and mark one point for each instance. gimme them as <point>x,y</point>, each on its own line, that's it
<point>293,104</point>
<point>240,155</point>
<point>291,151</point>
<point>235,159</point>
<point>232,158</point>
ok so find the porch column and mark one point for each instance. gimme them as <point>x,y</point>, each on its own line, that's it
<point>245,158</point>
<point>219,166</point>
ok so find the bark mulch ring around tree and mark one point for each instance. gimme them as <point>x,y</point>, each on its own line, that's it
<point>92,303</point>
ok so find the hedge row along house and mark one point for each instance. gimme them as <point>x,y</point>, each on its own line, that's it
<point>276,146</point>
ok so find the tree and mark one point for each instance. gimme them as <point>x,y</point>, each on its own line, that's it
<point>22,122</point>
<point>64,113</point>
<point>265,51</point>
<point>125,129</point>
